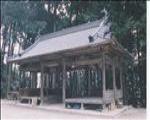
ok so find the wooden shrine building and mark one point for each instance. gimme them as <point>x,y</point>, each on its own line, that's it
<point>80,65</point>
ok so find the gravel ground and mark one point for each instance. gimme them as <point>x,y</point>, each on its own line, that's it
<point>9,111</point>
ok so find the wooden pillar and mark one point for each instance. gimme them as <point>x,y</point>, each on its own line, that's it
<point>47,80</point>
<point>121,74</point>
<point>121,77</point>
<point>45,84</point>
<point>31,79</point>
<point>9,79</point>
<point>50,78</point>
<point>64,80</point>
<point>124,92</point>
<point>53,78</point>
<point>42,84</point>
<point>103,77</point>
<point>89,80</point>
<point>34,79</point>
<point>20,78</point>
<point>114,78</point>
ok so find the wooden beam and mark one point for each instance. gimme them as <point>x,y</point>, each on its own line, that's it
<point>84,62</point>
<point>29,69</point>
<point>51,64</point>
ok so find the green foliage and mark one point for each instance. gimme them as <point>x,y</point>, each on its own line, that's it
<point>129,26</point>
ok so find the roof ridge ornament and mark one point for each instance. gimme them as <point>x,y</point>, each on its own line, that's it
<point>102,24</point>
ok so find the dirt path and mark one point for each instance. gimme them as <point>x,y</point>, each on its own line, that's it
<point>9,111</point>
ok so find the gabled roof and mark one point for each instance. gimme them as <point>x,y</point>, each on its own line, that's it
<point>66,39</point>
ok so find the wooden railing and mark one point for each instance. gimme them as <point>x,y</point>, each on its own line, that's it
<point>87,93</point>
<point>36,91</point>
<point>13,95</point>
<point>29,92</point>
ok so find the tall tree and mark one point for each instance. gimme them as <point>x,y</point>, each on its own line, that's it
<point>129,26</point>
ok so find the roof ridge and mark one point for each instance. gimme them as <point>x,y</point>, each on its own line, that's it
<point>68,30</point>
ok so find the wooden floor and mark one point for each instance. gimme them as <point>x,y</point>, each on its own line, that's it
<point>88,100</point>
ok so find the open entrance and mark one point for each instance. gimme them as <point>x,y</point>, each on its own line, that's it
<point>84,81</point>
<point>52,84</point>
<point>84,87</point>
